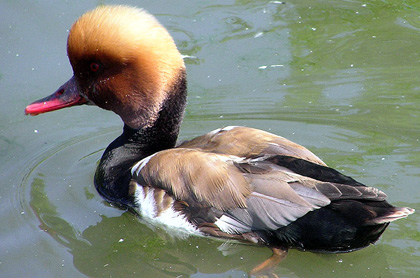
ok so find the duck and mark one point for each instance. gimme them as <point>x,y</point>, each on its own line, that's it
<point>234,182</point>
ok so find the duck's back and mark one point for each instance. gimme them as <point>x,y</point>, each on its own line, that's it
<point>251,185</point>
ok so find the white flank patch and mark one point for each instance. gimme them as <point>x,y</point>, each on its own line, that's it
<point>231,226</point>
<point>176,223</point>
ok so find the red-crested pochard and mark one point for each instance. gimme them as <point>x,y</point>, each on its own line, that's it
<point>235,182</point>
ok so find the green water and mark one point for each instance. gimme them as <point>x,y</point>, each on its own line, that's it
<point>340,77</point>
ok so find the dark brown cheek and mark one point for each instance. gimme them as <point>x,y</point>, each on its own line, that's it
<point>106,97</point>
<point>92,92</point>
<point>100,100</point>
<point>82,85</point>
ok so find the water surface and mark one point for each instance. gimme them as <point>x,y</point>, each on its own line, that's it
<point>340,77</point>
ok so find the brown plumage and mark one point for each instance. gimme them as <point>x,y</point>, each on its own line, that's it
<point>234,182</point>
<point>210,179</point>
<point>140,58</point>
<point>249,143</point>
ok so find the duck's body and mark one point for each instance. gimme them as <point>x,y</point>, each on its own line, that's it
<point>234,182</point>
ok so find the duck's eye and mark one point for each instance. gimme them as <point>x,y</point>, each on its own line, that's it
<point>94,67</point>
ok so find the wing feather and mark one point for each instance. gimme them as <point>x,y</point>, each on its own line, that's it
<point>249,143</point>
<point>204,179</point>
<point>248,193</point>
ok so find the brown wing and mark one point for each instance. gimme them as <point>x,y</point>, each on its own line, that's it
<point>249,143</point>
<point>198,178</point>
<point>280,196</point>
<point>253,192</point>
<point>249,193</point>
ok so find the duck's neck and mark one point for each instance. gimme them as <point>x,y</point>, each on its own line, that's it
<point>113,174</point>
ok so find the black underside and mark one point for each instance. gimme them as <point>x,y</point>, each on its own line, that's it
<point>339,227</point>
<point>330,229</point>
<point>343,226</point>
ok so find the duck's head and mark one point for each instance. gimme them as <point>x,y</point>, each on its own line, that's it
<point>123,60</point>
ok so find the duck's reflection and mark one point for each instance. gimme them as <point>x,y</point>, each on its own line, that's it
<point>123,246</point>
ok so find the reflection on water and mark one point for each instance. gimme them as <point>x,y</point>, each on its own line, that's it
<point>124,246</point>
